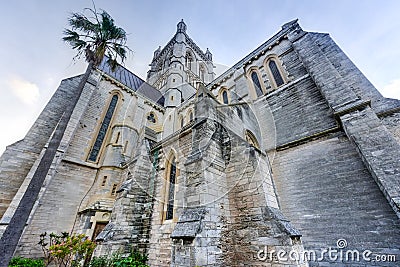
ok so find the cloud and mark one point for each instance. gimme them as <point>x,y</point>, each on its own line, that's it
<point>392,90</point>
<point>25,91</point>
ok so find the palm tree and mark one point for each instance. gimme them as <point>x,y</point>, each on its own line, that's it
<point>98,39</point>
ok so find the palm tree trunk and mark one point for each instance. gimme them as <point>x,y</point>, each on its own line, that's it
<point>13,232</point>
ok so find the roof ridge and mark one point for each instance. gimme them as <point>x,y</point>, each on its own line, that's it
<point>284,30</point>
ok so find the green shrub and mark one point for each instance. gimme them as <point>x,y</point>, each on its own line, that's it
<point>66,250</point>
<point>100,262</point>
<point>25,262</point>
<point>135,259</point>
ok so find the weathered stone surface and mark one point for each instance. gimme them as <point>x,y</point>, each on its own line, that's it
<point>198,182</point>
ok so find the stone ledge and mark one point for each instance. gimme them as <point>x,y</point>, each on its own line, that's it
<point>189,223</point>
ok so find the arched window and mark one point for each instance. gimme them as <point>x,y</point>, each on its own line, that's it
<point>181,122</point>
<point>188,60</point>
<point>190,116</point>
<point>117,139</point>
<point>171,189</point>
<point>257,84</point>
<point>202,72</point>
<point>251,139</point>
<point>94,152</point>
<point>275,73</point>
<point>225,97</point>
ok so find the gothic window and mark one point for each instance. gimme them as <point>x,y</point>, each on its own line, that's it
<point>94,153</point>
<point>190,116</point>
<point>151,117</point>
<point>117,139</point>
<point>251,139</point>
<point>225,97</point>
<point>275,73</point>
<point>188,61</point>
<point>125,147</point>
<point>104,182</point>
<point>239,112</point>
<point>114,189</point>
<point>181,122</point>
<point>256,83</point>
<point>202,72</point>
<point>171,190</point>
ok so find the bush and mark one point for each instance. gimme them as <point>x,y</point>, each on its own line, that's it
<point>24,262</point>
<point>66,250</point>
<point>135,259</point>
<point>100,262</point>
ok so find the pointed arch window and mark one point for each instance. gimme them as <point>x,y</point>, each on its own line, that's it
<point>257,84</point>
<point>188,61</point>
<point>171,190</point>
<point>94,152</point>
<point>251,139</point>
<point>275,73</point>
<point>225,97</point>
<point>190,116</point>
<point>202,72</point>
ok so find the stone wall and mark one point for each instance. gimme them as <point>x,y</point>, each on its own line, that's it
<point>19,157</point>
<point>225,205</point>
<point>128,227</point>
<point>74,190</point>
<point>58,208</point>
<point>392,123</point>
<point>334,175</point>
<point>328,194</point>
<point>160,247</point>
<point>298,111</point>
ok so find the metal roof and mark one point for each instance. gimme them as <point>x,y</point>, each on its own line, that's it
<point>131,80</point>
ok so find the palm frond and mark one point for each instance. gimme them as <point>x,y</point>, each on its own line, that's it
<point>112,62</point>
<point>97,36</point>
<point>73,39</point>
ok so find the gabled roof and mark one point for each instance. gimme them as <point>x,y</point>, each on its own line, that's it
<point>131,80</point>
<point>286,28</point>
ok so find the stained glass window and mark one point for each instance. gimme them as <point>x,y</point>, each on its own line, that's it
<point>171,191</point>
<point>94,153</point>
<point>275,73</point>
<point>257,84</point>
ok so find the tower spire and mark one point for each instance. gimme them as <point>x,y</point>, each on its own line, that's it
<point>181,27</point>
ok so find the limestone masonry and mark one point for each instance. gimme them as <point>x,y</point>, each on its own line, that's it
<point>292,149</point>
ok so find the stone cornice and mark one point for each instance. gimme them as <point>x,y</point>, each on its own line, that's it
<point>186,129</point>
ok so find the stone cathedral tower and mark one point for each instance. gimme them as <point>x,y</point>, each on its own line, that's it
<point>291,151</point>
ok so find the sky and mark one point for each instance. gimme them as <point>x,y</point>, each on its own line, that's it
<point>34,60</point>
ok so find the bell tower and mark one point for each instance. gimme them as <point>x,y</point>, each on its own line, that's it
<point>178,68</point>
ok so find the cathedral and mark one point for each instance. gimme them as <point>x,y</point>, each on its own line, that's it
<point>288,158</point>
